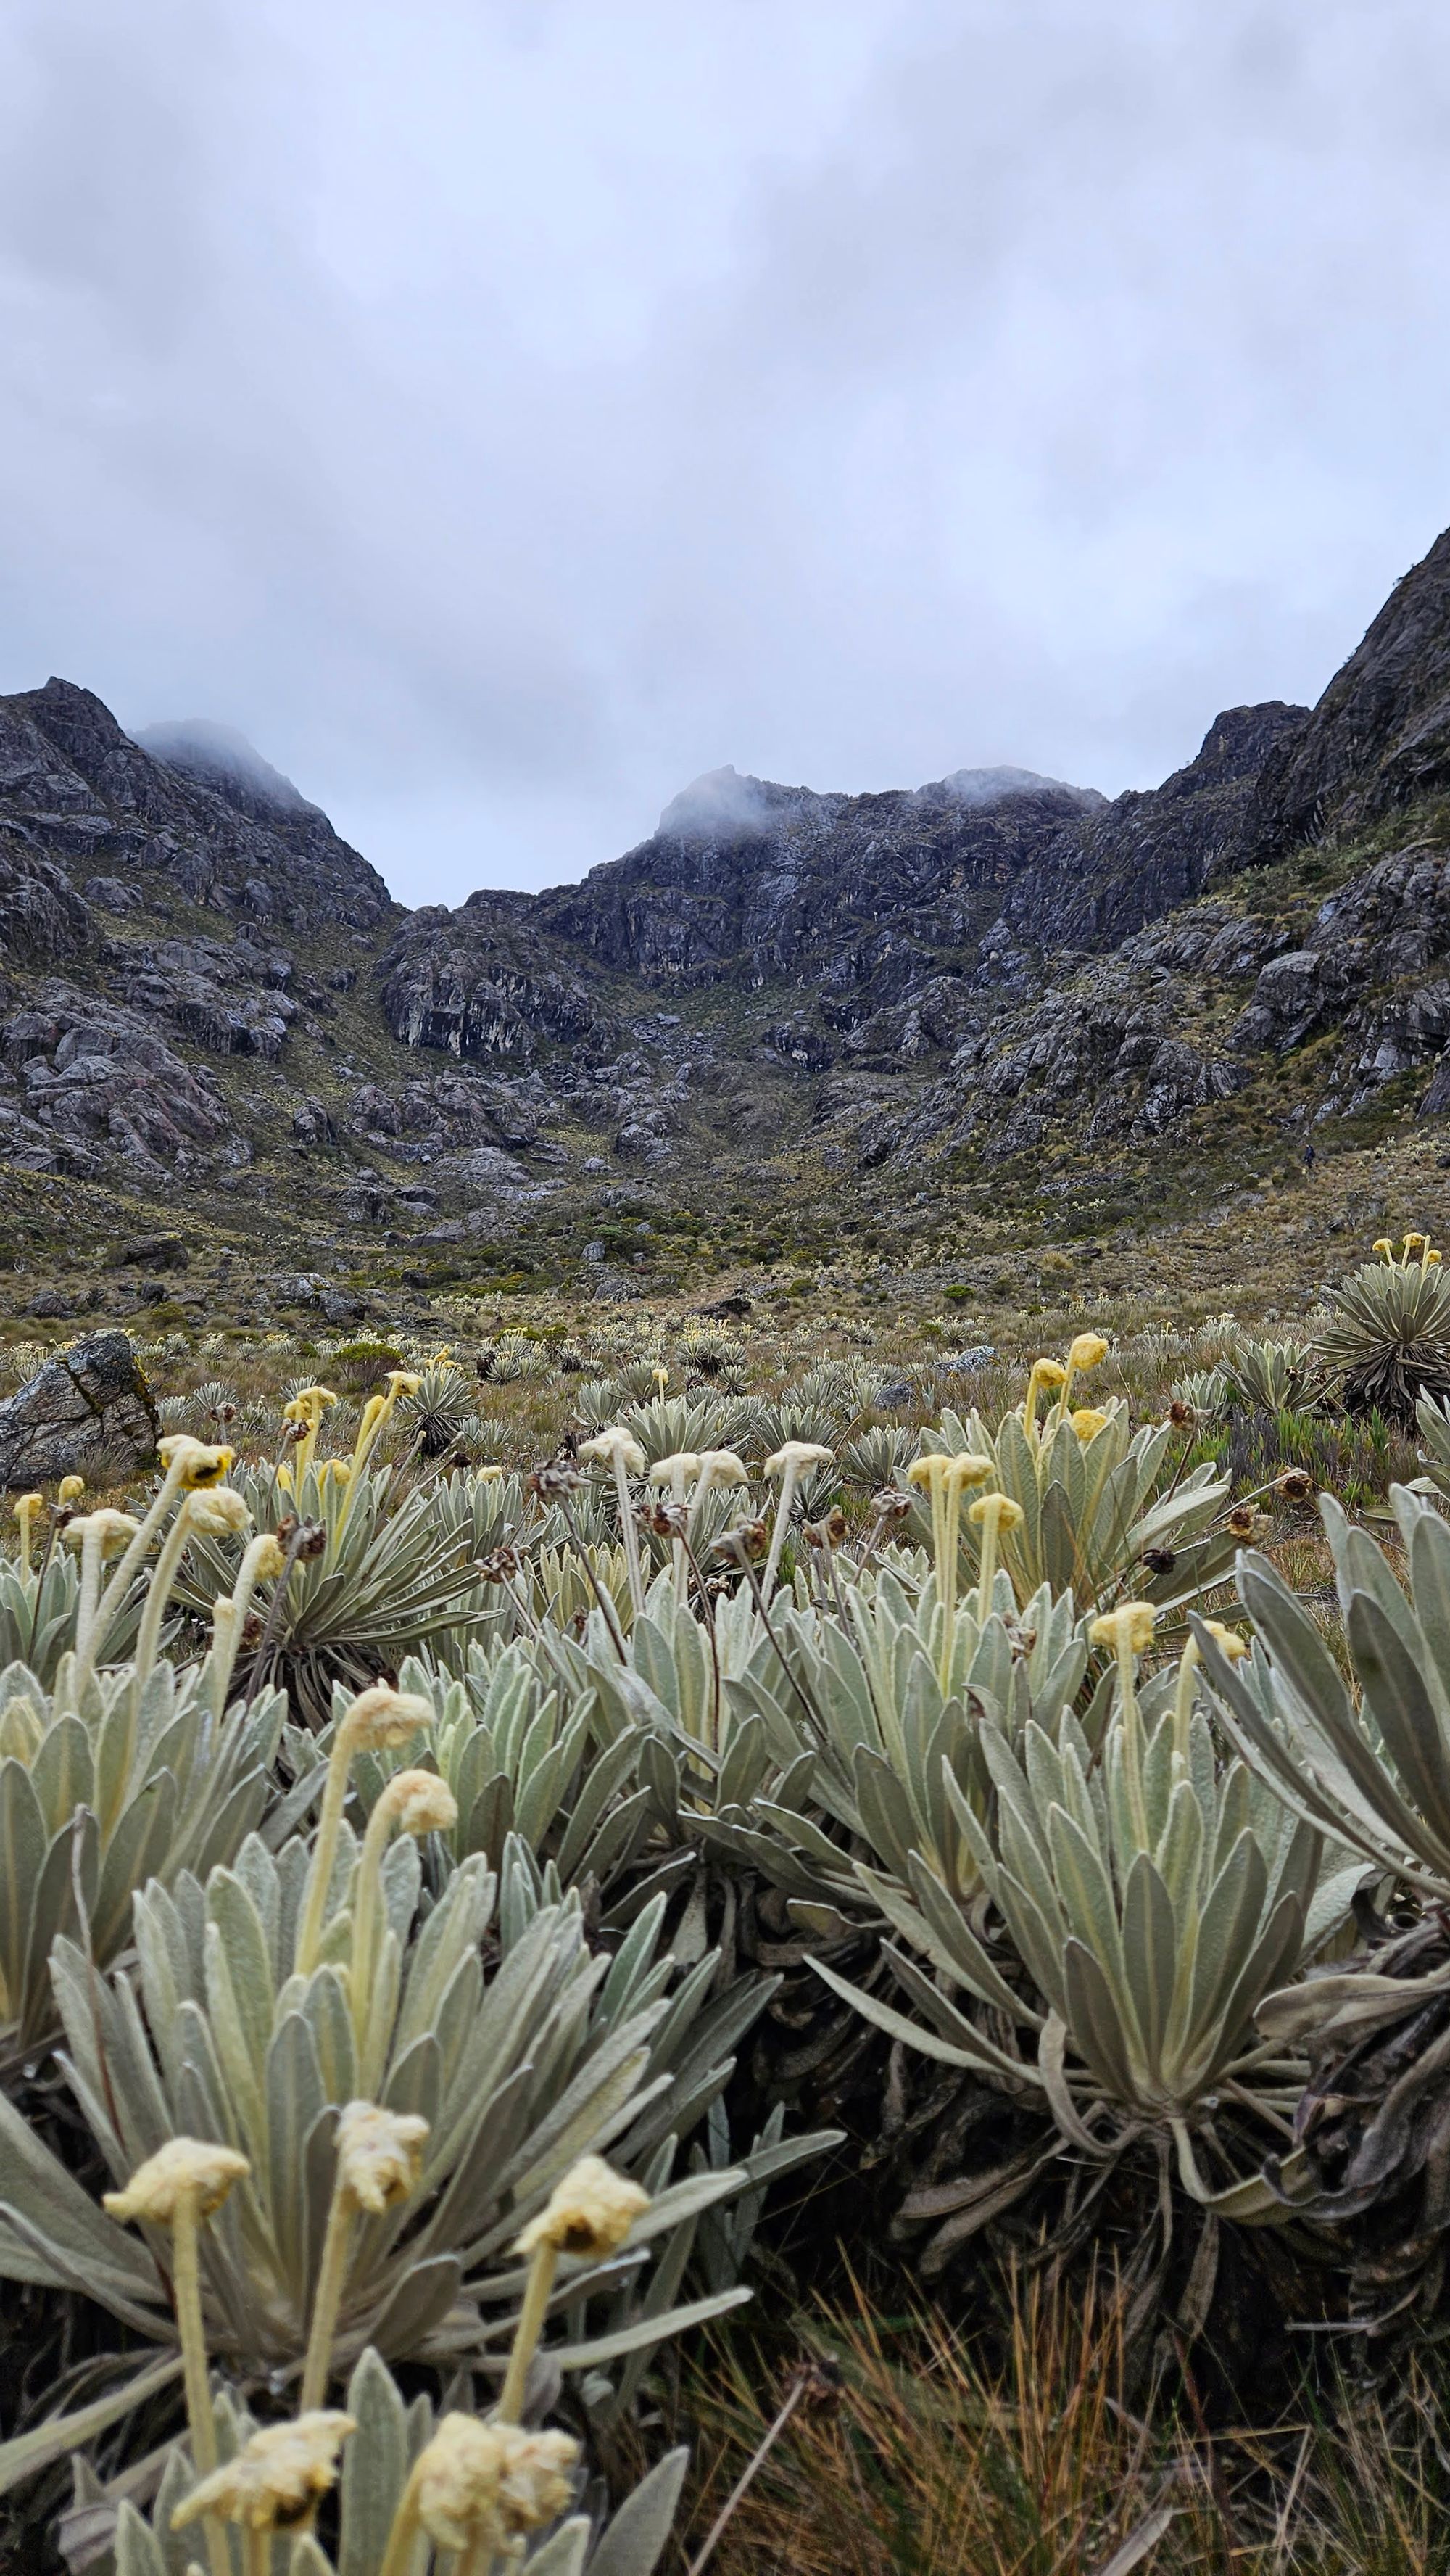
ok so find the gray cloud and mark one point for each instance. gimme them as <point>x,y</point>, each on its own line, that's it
<point>506,413</point>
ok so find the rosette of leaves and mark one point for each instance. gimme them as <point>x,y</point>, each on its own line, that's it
<point>835,1782</point>
<point>1153,1900</point>
<point>516,1745</point>
<point>672,1423</point>
<point>437,1418</point>
<point>879,1455</point>
<point>142,1784</point>
<point>494,2021</point>
<point>38,1609</point>
<point>1273,1377</point>
<point>1100,1517</point>
<point>1366,1761</point>
<point>1385,1341</point>
<point>390,2431</point>
<point>390,1574</point>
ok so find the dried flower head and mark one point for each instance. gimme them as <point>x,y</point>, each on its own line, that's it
<point>196,1463</point>
<point>889,1503</point>
<point>1131,1625</point>
<point>274,2482</point>
<point>1159,1560</point>
<point>382,1719</point>
<point>1086,1351</point>
<point>184,2170</point>
<point>1295,1484</point>
<point>379,2154</point>
<point>1180,1414</point>
<point>590,2213</point>
<point>421,1803</point>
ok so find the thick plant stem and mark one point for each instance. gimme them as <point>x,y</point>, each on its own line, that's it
<point>324,1851</point>
<point>257,2553</point>
<point>1188,1664</point>
<point>186,2292</point>
<point>1132,1739</point>
<point>331,2279</point>
<point>527,2332</point>
<point>398,2554</point>
<point>987,1575</point>
<point>115,1591</point>
<point>629,1534</point>
<point>158,1593</point>
<point>779,1526</point>
<point>366,1905</point>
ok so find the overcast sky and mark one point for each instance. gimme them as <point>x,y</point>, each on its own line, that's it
<point>503,410</point>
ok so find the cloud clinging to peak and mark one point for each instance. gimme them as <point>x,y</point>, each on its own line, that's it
<point>505,411</point>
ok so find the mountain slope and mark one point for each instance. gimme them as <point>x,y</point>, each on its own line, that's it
<point>208,1001</point>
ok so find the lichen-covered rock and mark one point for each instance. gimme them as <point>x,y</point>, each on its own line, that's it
<point>88,1404</point>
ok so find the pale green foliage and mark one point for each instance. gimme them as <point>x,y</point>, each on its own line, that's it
<point>1385,1341</point>
<point>375,2463</point>
<point>555,2053</point>
<point>1373,1769</point>
<point>1092,1510</point>
<point>1277,1377</point>
<point>140,1784</point>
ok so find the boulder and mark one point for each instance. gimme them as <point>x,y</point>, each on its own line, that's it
<point>88,1403</point>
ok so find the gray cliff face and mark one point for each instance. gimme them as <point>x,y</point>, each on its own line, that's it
<point>993,964</point>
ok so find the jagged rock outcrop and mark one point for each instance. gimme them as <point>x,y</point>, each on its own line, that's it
<point>1380,735</point>
<point>996,963</point>
<point>90,1405</point>
<point>75,787</point>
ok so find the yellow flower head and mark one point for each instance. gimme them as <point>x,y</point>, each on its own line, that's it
<point>488,2484</point>
<point>1431,1258</point>
<point>70,1489</point>
<point>590,2213</point>
<point>184,2170</point>
<point>967,1468</point>
<point>1130,1625</point>
<point>218,1511</point>
<point>1414,1243</point>
<point>1385,1248</point>
<point>25,1505</point>
<point>930,1469</point>
<point>402,1382</point>
<point>1086,1351</point>
<point>309,1405</point>
<point>999,1508</point>
<point>421,1802</point>
<point>275,2479</point>
<point>489,1475</point>
<point>1087,1423</point>
<point>1049,1372</point>
<point>382,1719</point>
<point>115,1530</point>
<point>379,2154</point>
<point>1228,1640</point>
<point>268,1559</point>
<point>684,1463</point>
<point>199,1464</point>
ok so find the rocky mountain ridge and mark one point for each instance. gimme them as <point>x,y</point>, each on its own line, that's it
<point>206,994</point>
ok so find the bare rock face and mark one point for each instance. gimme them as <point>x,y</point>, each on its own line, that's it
<point>89,1404</point>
